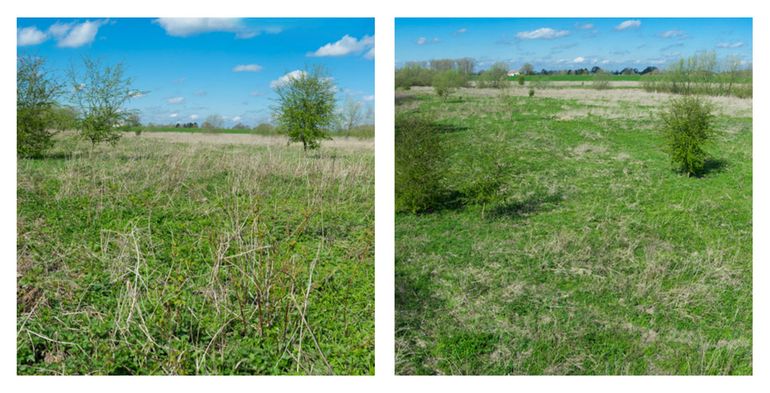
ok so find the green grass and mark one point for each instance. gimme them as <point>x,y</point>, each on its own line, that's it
<point>598,258</point>
<point>156,257</point>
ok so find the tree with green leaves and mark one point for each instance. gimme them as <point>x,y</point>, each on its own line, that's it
<point>101,94</point>
<point>447,82</point>
<point>36,108</point>
<point>306,106</point>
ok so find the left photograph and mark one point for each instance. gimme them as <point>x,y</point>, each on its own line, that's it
<point>195,196</point>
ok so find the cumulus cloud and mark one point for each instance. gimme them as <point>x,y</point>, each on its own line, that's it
<point>76,35</point>
<point>186,27</point>
<point>247,68</point>
<point>173,115</point>
<point>30,36</point>
<point>579,59</point>
<point>369,54</point>
<point>175,100</point>
<point>545,33</point>
<point>628,24</point>
<point>730,45</point>
<point>287,78</point>
<point>236,118</point>
<point>345,46</point>
<point>193,117</point>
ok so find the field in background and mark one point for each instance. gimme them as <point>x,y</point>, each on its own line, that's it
<point>599,259</point>
<point>216,254</point>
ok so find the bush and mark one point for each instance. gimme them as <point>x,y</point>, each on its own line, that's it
<point>521,80</point>
<point>531,92</point>
<point>687,127</point>
<point>413,75</point>
<point>36,111</point>
<point>601,81</point>
<point>447,82</point>
<point>495,77</point>
<point>420,165</point>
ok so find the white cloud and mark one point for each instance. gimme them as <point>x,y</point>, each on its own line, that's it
<point>369,98</point>
<point>76,35</point>
<point>424,40</point>
<point>185,27</point>
<point>30,36</point>
<point>193,117</point>
<point>672,34</point>
<point>370,54</point>
<point>545,33</point>
<point>605,61</point>
<point>345,46</point>
<point>286,78</point>
<point>463,30</point>
<point>173,115</point>
<point>247,68</point>
<point>236,118</point>
<point>579,59</point>
<point>628,24</point>
<point>136,94</point>
<point>730,45</point>
<point>585,26</point>
<point>175,100</point>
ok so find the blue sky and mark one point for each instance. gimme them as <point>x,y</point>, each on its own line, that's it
<point>560,43</point>
<point>194,67</point>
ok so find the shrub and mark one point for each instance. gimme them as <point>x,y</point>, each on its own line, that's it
<point>420,165</point>
<point>495,77</point>
<point>306,107</point>
<point>601,81</point>
<point>687,127</point>
<point>447,82</point>
<point>36,111</point>
<point>521,79</point>
<point>531,92</point>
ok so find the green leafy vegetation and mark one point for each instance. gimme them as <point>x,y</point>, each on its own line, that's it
<point>36,107</point>
<point>687,126</point>
<point>306,105</point>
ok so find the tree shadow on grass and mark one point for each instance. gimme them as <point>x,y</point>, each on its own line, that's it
<point>712,166</point>
<point>520,208</point>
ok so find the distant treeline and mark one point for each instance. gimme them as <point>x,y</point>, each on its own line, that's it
<point>702,73</point>
<point>359,131</point>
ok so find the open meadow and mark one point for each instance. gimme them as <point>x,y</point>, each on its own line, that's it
<point>174,253</point>
<point>590,255</point>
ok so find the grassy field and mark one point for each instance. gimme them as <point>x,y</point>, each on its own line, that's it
<point>598,258</point>
<point>213,255</point>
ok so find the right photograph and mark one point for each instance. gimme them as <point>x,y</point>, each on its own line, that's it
<point>573,196</point>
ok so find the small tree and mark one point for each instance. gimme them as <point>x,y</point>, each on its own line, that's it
<point>601,80</point>
<point>687,126</point>
<point>495,77</point>
<point>351,115</point>
<point>101,94</point>
<point>36,94</point>
<point>214,122</point>
<point>305,109</point>
<point>527,69</point>
<point>447,82</point>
